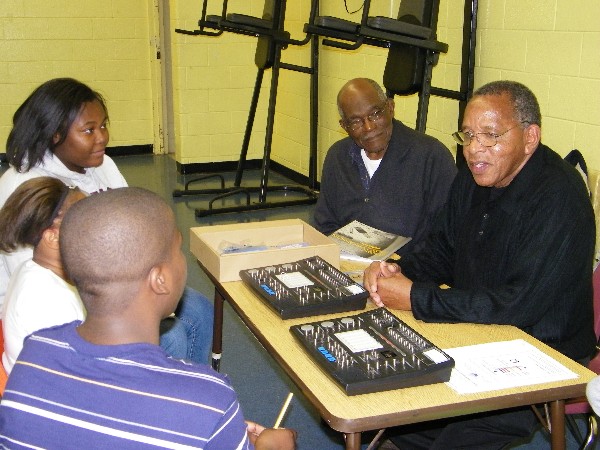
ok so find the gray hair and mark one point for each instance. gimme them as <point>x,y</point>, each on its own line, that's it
<point>525,105</point>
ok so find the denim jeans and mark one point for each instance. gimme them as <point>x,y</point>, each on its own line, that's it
<point>188,335</point>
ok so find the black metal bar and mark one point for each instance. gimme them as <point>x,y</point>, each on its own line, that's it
<point>249,124</point>
<point>357,43</point>
<point>425,94</point>
<point>206,177</point>
<point>246,192</point>
<point>224,10</point>
<point>264,176</point>
<point>467,72</point>
<point>448,93</point>
<point>365,15</point>
<point>190,32</point>
<point>254,207</point>
<point>295,68</point>
<point>209,191</point>
<point>314,113</point>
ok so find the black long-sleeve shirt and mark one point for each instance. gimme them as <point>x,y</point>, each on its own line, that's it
<point>520,255</point>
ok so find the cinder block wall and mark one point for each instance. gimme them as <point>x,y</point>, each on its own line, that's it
<point>213,81</point>
<point>553,46</point>
<point>104,44</point>
<point>218,73</point>
<point>338,66</point>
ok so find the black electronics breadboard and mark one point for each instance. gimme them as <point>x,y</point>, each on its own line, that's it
<point>309,287</point>
<point>373,351</point>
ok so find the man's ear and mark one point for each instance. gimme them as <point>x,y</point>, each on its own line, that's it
<point>55,138</point>
<point>532,136</point>
<point>158,281</point>
<point>391,106</point>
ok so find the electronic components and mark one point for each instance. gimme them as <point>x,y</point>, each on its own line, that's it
<point>309,287</point>
<point>373,351</point>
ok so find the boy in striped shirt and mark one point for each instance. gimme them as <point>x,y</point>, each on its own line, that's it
<point>106,383</point>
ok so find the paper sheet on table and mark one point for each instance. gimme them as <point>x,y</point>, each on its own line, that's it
<point>502,365</point>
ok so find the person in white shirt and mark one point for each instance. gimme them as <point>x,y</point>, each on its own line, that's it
<point>61,130</point>
<point>39,294</point>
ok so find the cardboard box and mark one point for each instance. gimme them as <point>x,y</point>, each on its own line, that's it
<point>206,244</point>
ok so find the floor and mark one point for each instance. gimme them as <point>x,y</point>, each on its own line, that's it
<point>261,385</point>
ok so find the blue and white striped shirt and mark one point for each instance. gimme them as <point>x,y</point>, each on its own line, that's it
<point>65,392</point>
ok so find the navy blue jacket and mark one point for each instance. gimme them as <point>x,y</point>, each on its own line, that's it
<point>410,185</point>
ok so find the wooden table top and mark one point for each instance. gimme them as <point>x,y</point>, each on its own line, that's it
<point>364,412</point>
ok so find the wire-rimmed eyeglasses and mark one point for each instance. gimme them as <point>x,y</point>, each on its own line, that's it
<point>359,122</point>
<point>486,139</point>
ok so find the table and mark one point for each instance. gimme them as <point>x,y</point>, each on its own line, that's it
<point>353,415</point>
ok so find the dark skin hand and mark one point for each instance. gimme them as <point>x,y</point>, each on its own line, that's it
<point>387,285</point>
<point>271,438</point>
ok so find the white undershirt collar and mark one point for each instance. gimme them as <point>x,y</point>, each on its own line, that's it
<point>370,164</point>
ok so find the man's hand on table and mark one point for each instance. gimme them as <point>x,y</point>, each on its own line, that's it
<point>387,285</point>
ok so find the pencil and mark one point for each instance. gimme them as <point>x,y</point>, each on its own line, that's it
<point>284,409</point>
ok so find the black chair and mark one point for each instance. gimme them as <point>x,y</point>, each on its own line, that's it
<point>272,39</point>
<point>408,68</point>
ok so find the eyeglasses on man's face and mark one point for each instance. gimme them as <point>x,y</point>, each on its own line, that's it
<point>465,138</point>
<point>375,116</point>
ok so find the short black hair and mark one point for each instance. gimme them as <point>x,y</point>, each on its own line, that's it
<point>115,237</point>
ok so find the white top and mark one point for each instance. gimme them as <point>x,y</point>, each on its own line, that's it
<point>36,298</point>
<point>95,179</point>
<point>371,164</point>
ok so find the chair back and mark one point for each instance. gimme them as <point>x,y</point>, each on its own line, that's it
<point>592,180</point>
<point>594,187</point>
<point>581,405</point>
<point>273,11</point>
<point>403,73</point>
<point>596,283</point>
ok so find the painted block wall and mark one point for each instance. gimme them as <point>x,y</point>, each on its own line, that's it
<point>103,44</point>
<point>338,66</point>
<point>553,46</point>
<point>217,75</point>
<point>213,81</point>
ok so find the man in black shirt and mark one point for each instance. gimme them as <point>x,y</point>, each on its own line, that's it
<point>515,241</point>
